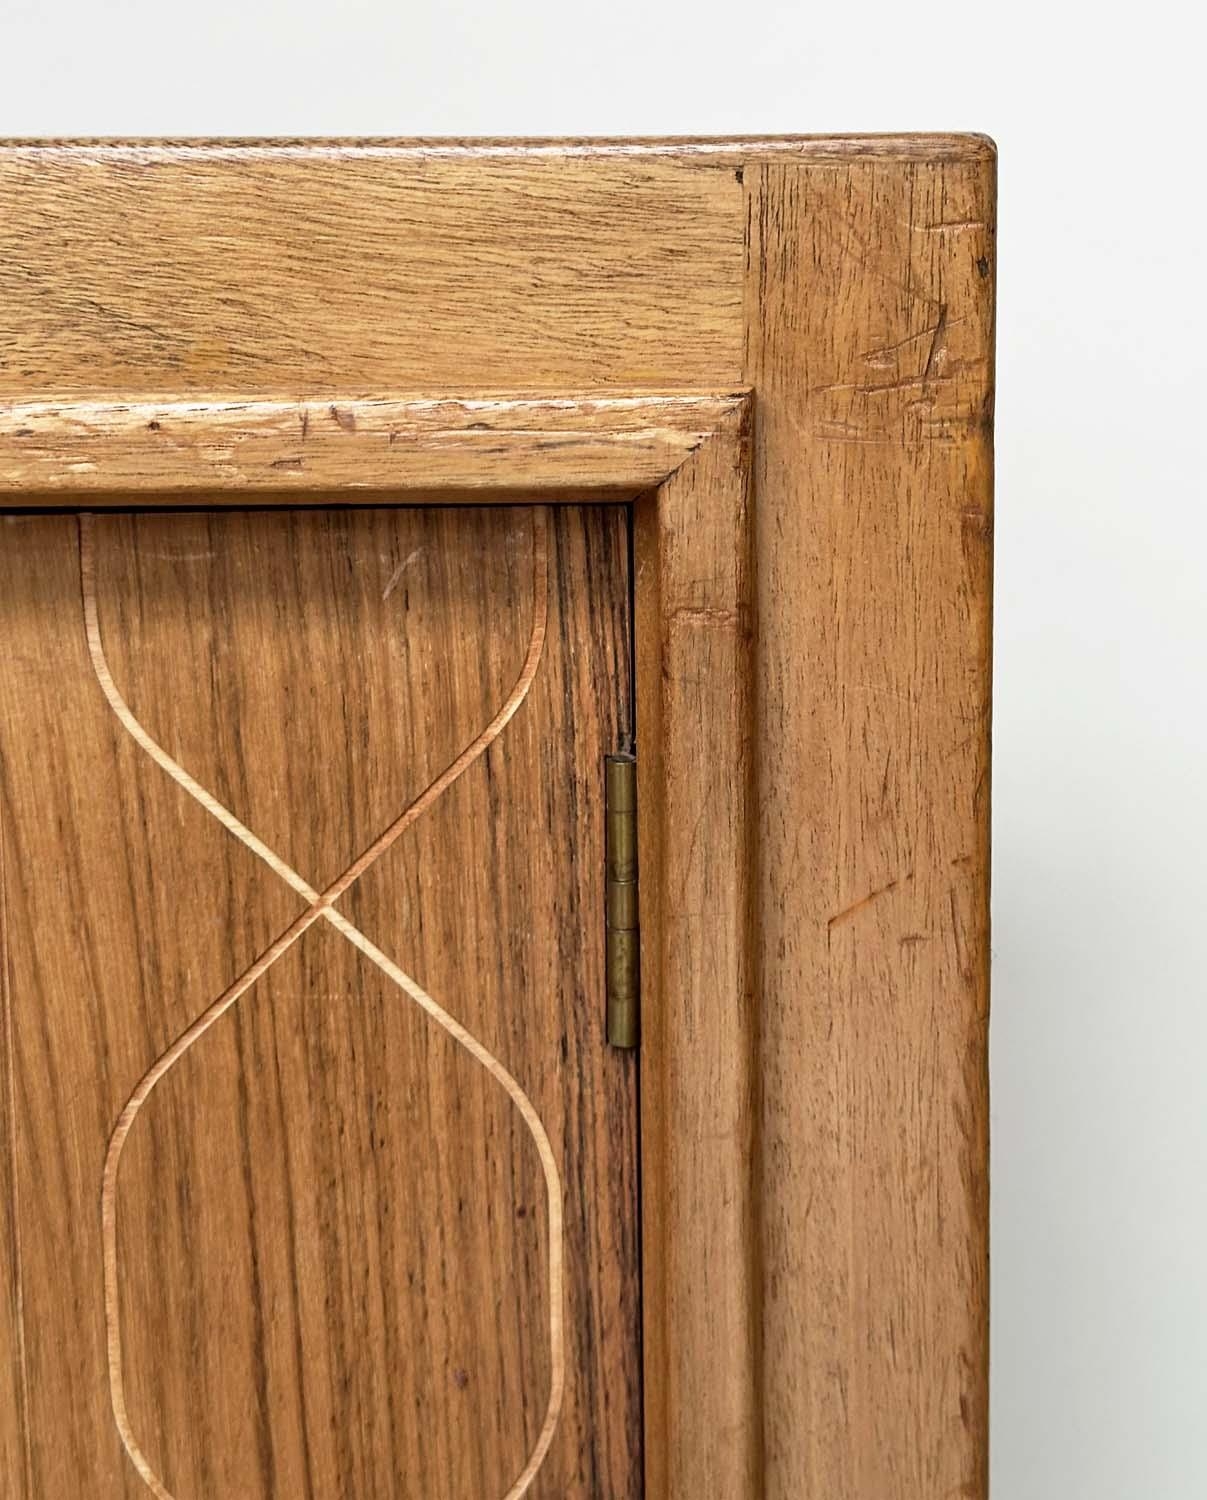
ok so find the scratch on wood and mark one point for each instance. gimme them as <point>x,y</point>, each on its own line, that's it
<point>881,356</point>
<point>845,915</point>
<point>938,347</point>
<point>958,938</point>
<point>706,616</point>
<point>396,575</point>
<point>905,383</point>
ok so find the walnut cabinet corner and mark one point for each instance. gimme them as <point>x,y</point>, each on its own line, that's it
<point>357,501</point>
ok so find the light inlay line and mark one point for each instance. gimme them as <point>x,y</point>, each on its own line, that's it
<point>321,907</point>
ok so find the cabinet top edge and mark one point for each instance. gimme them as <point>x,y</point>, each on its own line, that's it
<point>910,146</point>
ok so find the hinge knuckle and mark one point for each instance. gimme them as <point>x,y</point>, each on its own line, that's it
<point>622,951</point>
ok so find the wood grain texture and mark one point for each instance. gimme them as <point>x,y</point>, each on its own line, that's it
<point>870,316</point>
<point>236,272</point>
<point>308,268</point>
<point>846,282</point>
<point>695,627</point>
<point>333,1271</point>
<point>332,450</point>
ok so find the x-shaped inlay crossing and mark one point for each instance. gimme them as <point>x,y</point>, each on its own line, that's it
<point>321,908</point>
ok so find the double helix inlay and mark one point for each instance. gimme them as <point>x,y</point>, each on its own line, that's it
<point>321,907</point>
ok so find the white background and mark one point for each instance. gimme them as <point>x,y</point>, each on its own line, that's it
<point>1099,1046</point>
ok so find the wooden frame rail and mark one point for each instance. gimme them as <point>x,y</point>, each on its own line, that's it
<point>686,461</point>
<point>226,449</point>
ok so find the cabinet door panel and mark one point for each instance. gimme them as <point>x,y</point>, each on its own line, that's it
<point>321,1179</point>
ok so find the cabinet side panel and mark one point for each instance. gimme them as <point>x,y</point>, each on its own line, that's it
<point>870,347</point>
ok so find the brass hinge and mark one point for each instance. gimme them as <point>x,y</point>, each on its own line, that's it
<point>622,959</point>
